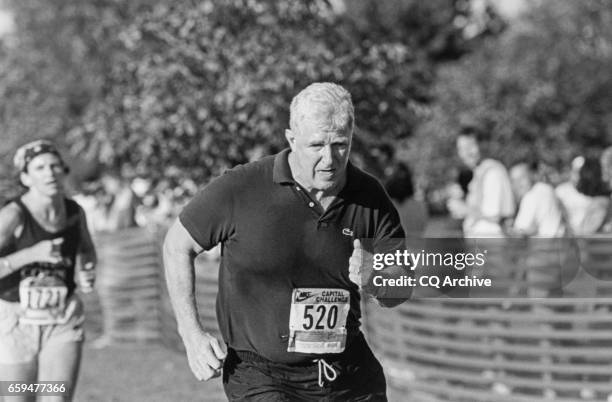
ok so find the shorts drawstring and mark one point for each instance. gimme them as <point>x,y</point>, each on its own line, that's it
<point>326,370</point>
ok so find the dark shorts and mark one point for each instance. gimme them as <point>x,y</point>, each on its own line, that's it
<point>360,377</point>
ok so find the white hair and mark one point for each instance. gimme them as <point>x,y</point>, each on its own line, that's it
<point>324,102</point>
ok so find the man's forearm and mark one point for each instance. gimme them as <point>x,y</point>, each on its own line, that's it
<point>180,279</point>
<point>390,296</point>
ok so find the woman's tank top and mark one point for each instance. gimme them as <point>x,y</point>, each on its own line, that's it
<point>33,233</point>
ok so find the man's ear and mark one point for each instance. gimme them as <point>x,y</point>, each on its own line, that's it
<point>290,136</point>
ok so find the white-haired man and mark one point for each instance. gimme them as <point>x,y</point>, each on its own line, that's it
<point>290,228</point>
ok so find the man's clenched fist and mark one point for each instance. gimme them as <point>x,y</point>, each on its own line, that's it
<point>360,264</point>
<point>205,354</point>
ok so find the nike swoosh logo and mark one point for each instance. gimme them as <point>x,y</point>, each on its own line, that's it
<point>302,296</point>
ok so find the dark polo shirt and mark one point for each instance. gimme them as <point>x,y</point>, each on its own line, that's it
<point>275,238</point>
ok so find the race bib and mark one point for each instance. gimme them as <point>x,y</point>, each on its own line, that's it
<point>43,300</point>
<point>317,321</point>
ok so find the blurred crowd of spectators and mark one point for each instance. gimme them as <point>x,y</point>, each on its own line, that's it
<point>529,199</point>
<point>115,202</point>
<point>526,198</point>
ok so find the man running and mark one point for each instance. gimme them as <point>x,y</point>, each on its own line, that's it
<point>292,228</point>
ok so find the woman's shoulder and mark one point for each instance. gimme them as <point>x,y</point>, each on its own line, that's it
<point>74,212</point>
<point>11,215</point>
<point>72,206</point>
<point>12,208</point>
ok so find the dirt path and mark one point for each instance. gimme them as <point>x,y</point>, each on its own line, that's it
<point>133,372</point>
<point>141,373</point>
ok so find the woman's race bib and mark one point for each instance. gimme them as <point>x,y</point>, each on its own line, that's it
<point>43,299</point>
<point>317,321</point>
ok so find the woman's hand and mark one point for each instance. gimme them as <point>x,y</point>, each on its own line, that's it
<point>46,251</point>
<point>86,277</point>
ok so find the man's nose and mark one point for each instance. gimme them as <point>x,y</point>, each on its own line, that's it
<point>327,154</point>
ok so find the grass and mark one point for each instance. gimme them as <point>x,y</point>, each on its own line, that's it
<point>133,372</point>
<point>136,371</point>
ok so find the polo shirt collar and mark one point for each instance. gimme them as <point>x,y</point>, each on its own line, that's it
<point>281,173</point>
<point>353,179</point>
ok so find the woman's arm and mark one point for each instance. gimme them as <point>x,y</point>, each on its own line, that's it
<point>11,220</point>
<point>87,250</point>
<point>87,256</point>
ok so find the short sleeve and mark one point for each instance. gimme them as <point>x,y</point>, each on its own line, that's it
<point>208,217</point>
<point>389,232</point>
<point>497,198</point>
<point>526,218</point>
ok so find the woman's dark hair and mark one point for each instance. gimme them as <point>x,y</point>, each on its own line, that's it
<point>590,181</point>
<point>399,185</point>
<point>464,178</point>
<point>476,133</point>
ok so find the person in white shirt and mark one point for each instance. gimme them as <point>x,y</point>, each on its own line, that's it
<point>540,213</point>
<point>585,198</point>
<point>489,200</point>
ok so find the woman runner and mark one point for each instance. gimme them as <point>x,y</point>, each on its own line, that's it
<point>42,236</point>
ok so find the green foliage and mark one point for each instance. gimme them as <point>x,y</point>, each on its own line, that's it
<point>185,89</point>
<point>52,68</point>
<point>541,91</point>
<point>440,29</point>
<point>204,85</point>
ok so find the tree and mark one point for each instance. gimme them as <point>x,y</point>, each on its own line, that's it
<point>541,91</point>
<point>185,89</point>
<point>202,86</point>
<point>51,68</point>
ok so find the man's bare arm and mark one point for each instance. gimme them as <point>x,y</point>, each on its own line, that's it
<point>204,352</point>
